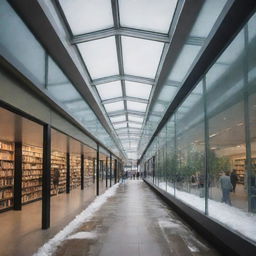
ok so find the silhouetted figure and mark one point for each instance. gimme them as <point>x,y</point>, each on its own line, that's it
<point>234,179</point>
<point>226,187</point>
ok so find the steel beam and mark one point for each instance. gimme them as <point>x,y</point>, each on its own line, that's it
<point>138,79</point>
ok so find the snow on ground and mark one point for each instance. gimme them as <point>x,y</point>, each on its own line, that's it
<point>48,248</point>
<point>83,235</point>
<point>234,218</point>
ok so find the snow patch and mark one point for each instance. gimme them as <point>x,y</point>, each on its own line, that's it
<point>234,218</point>
<point>83,235</point>
<point>49,248</point>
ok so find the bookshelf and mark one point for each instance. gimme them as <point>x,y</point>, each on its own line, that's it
<point>59,161</point>
<point>239,165</point>
<point>75,170</point>
<point>6,174</point>
<point>32,161</point>
<point>88,173</point>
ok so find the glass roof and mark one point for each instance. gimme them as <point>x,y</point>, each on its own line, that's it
<point>138,90</point>
<point>123,46</point>
<point>162,9</point>
<point>110,90</point>
<point>145,53</point>
<point>100,57</point>
<point>86,16</point>
<point>115,106</point>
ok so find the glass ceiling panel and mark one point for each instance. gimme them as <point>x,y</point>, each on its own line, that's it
<point>138,90</point>
<point>86,16</point>
<point>137,106</point>
<point>145,54</point>
<point>110,90</point>
<point>147,15</point>
<point>135,118</point>
<point>167,93</point>
<point>133,125</point>
<point>118,126</point>
<point>115,106</point>
<point>184,62</point>
<point>118,118</point>
<point>100,57</point>
<point>207,17</point>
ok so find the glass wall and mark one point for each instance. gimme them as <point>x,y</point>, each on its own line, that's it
<point>205,155</point>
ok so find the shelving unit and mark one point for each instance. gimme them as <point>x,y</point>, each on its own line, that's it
<point>75,170</point>
<point>59,161</point>
<point>32,164</point>
<point>239,165</point>
<point>88,174</point>
<point>6,174</point>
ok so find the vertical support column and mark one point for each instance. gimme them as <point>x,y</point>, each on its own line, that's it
<point>110,174</point>
<point>17,176</point>
<point>82,168</point>
<point>115,171</point>
<point>68,168</point>
<point>101,170</point>
<point>175,154</point>
<point>97,171</point>
<point>17,193</point>
<point>248,161</point>
<point>206,137</point>
<point>46,182</point>
<point>106,172</point>
<point>93,163</point>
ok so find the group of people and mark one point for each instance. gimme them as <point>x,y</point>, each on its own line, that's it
<point>227,183</point>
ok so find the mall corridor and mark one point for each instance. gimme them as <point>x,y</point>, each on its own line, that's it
<point>135,222</point>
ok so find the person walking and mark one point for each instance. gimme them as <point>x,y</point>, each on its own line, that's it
<point>233,179</point>
<point>226,187</point>
<point>56,177</point>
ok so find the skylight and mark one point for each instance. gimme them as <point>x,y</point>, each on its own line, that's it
<point>137,106</point>
<point>115,106</point>
<point>118,118</point>
<point>184,62</point>
<point>141,57</point>
<point>137,90</point>
<point>110,90</point>
<point>147,15</point>
<point>133,125</point>
<point>86,16</point>
<point>135,118</point>
<point>121,125</point>
<point>100,57</point>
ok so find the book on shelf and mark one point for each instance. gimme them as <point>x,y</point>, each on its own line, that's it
<point>59,161</point>
<point>75,170</point>
<point>32,171</point>
<point>6,174</point>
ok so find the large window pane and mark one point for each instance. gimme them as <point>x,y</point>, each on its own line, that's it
<point>100,57</point>
<point>147,15</point>
<point>145,53</point>
<point>86,16</point>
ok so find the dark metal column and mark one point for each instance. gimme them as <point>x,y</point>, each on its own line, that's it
<point>17,176</point>
<point>17,193</point>
<point>68,168</point>
<point>106,172</point>
<point>115,171</point>
<point>97,171</point>
<point>248,161</point>
<point>110,174</point>
<point>82,167</point>
<point>46,182</point>
<point>206,138</point>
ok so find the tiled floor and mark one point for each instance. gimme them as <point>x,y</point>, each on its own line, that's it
<point>135,222</point>
<point>20,231</point>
